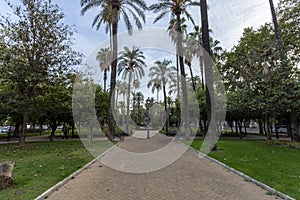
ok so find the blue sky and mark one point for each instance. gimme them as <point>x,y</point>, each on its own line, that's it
<point>227,19</point>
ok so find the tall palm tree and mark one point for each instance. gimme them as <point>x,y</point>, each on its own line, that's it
<point>208,73</point>
<point>139,97</point>
<point>191,49</point>
<point>293,128</point>
<point>177,8</point>
<point>109,13</point>
<point>161,73</point>
<point>156,85</point>
<point>131,64</point>
<point>104,59</point>
<point>173,34</point>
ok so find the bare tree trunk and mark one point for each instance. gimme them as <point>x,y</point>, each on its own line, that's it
<point>179,49</point>
<point>210,101</point>
<point>192,77</point>
<point>294,127</point>
<point>128,102</point>
<point>53,129</point>
<point>267,128</point>
<point>260,125</point>
<point>22,134</point>
<point>166,109</point>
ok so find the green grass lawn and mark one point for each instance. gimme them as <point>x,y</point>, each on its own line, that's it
<point>3,136</point>
<point>275,165</point>
<point>39,166</point>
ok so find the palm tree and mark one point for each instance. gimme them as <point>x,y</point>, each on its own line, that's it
<point>131,64</point>
<point>109,14</point>
<point>136,84</point>
<point>293,128</point>
<point>190,49</point>
<point>156,85</point>
<point>216,49</point>
<point>104,59</point>
<point>162,74</point>
<point>177,8</point>
<point>208,73</point>
<point>139,97</point>
<point>173,34</point>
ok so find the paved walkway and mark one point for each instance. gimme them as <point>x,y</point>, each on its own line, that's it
<point>187,178</point>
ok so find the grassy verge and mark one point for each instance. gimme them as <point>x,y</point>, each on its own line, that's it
<point>39,166</point>
<point>272,164</point>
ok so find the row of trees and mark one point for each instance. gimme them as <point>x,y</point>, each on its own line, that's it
<point>258,51</point>
<point>110,13</point>
<point>261,73</point>
<point>35,58</point>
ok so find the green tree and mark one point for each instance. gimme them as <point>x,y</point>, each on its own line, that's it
<point>162,74</point>
<point>131,64</point>
<point>139,99</point>
<point>35,48</point>
<point>136,8</point>
<point>104,59</point>
<point>177,8</point>
<point>292,122</point>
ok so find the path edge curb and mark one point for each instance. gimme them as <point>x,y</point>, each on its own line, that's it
<point>246,177</point>
<point>54,188</point>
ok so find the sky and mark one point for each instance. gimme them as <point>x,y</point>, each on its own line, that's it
<point>227,19</point>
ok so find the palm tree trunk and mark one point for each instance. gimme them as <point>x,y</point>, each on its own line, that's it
<point>208,75</point>
<point>293,126</point>
<point>179,49</point>
<point>128,102</point>
<point>117,97</point>
<point>178,79</point>
<point>192,77</point>
<point>105,79</point>
<point>111,105</point>
<point>202,71</point>
<point>166,109</point>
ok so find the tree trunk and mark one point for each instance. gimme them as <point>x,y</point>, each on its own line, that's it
<point>117,91</point>
<point>192,77</point>
<point>111,106</point>
<point>178,77</point>
<point>22,134</point>
<point>231,126</point>
<point>294,128</point>
<point>179,52</point>
<point>208,75</point>
<point>236,127</point>
<point>267,128</point>
<point>240,125</point>
<point>105,79</point>
<point>128,102</point>
<point>41,129</point>
<point>166,109</point>
<point>53,129</point>
<point>260,125</point>
<point>245,127</point>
